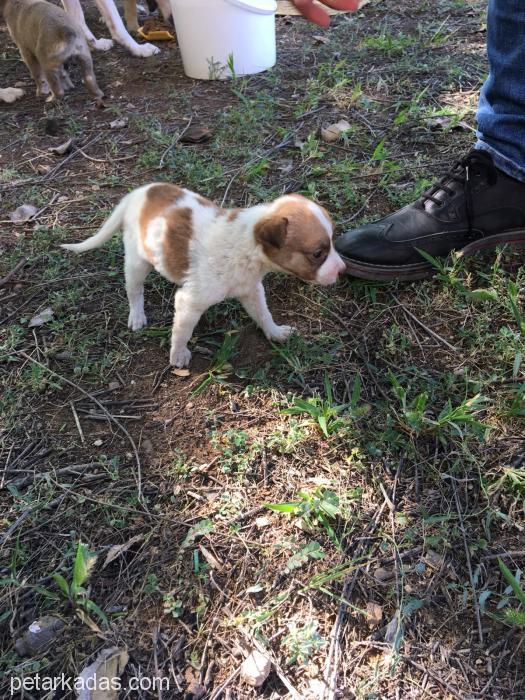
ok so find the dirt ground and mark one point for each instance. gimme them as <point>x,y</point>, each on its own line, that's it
<point>387,434</point>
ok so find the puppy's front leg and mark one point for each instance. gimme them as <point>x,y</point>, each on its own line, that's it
<point>187,315</point>
<point>115,25</point>
<point>255,304</point>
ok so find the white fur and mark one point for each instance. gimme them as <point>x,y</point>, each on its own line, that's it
<point>115,25</point>
<point>225,261</point>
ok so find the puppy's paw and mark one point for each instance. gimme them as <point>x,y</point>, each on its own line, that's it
<point>281,333</point>
<point>42,89</point>
<point>137,320</point>
<point>145,50</point>
<point>180,357</point>
<point>101,44</point>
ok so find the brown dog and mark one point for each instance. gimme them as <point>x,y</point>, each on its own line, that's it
<point>47,37</point>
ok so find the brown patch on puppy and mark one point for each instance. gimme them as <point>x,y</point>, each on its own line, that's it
<point>233,214</point>
<point>294,239</point>
<point>179,230</point>
<point>158,201</point>
<point>205,202</point>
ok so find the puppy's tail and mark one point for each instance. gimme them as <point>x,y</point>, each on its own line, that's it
<point>109,227</point>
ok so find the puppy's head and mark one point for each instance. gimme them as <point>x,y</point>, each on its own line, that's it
<point>296,236</point>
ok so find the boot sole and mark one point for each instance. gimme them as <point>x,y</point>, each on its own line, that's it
<point>424,270</point>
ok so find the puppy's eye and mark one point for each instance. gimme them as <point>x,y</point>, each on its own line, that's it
<point>318,253</point>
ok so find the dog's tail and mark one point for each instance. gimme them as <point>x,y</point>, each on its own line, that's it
<point>109,227</point>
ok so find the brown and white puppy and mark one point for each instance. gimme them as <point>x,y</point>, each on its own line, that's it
<point>216,254</point>
<point>47,38</point>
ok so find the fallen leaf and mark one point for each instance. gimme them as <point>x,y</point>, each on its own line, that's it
<point>384,575</point>
<point>119,549</point>
<point>62,149</point>
<point>101,679</point>
<point>181,372</point>
<point>333,132</point>
<point>23,213</point>
<point>374,614</point>
<point>394,632</point>
<point>212,561</point>
<point>38,635</point>
<point>255,669</point>
<point>203,527</point>
<point>119,123</point>
<point>195,690</point>
<point>196,134</point>
<point>41,318</point>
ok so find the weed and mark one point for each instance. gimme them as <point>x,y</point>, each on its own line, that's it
<point>514,616</point>
<point>325,412</point>
<point>301,642</point>
<point>315,508</point>
<point>220,368</point>
<point>415,418</point>
<point>74,591</point>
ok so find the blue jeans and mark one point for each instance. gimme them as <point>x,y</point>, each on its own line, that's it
<point>501,110</point>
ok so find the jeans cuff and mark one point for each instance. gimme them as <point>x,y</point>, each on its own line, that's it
<point>501,162</point>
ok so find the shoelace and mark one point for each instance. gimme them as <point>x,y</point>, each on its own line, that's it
<point>461,172</point>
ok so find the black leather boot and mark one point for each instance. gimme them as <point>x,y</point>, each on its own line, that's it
<point>473,207</point>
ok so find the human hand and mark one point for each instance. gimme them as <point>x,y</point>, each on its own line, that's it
<point>317,14</point>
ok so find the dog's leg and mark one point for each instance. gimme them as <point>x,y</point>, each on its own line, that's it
<point>35,69</point>
<point>53,77</point>
<point>89,75</point>
<point>187,315</point>
<point>255,305</point>
<point>73,8</point>
<point>135,271</point>
<point>165,8</point>
<point>130,13</point>
<point>118,31</point>
<point>66,80</point>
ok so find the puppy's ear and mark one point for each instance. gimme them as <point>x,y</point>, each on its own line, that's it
<point>271,231</point>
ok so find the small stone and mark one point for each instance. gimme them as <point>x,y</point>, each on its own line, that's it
<point>255,669</point>
<point>262,521</point>
<point>38,635</point>
<point>113,386</point>
<point>147,446</point>
<point>98,443</point>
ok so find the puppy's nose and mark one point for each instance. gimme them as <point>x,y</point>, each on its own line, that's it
<point>341,267</point>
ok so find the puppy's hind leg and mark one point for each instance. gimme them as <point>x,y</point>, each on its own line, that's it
<point>187,315</point>
<point>136,270</point>
<point>35,69</point>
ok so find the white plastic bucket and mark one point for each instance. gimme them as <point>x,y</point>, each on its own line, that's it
<point>214,35</point>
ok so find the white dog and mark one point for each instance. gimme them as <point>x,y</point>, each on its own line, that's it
<point>215,254</point>
<point>111,17</point>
